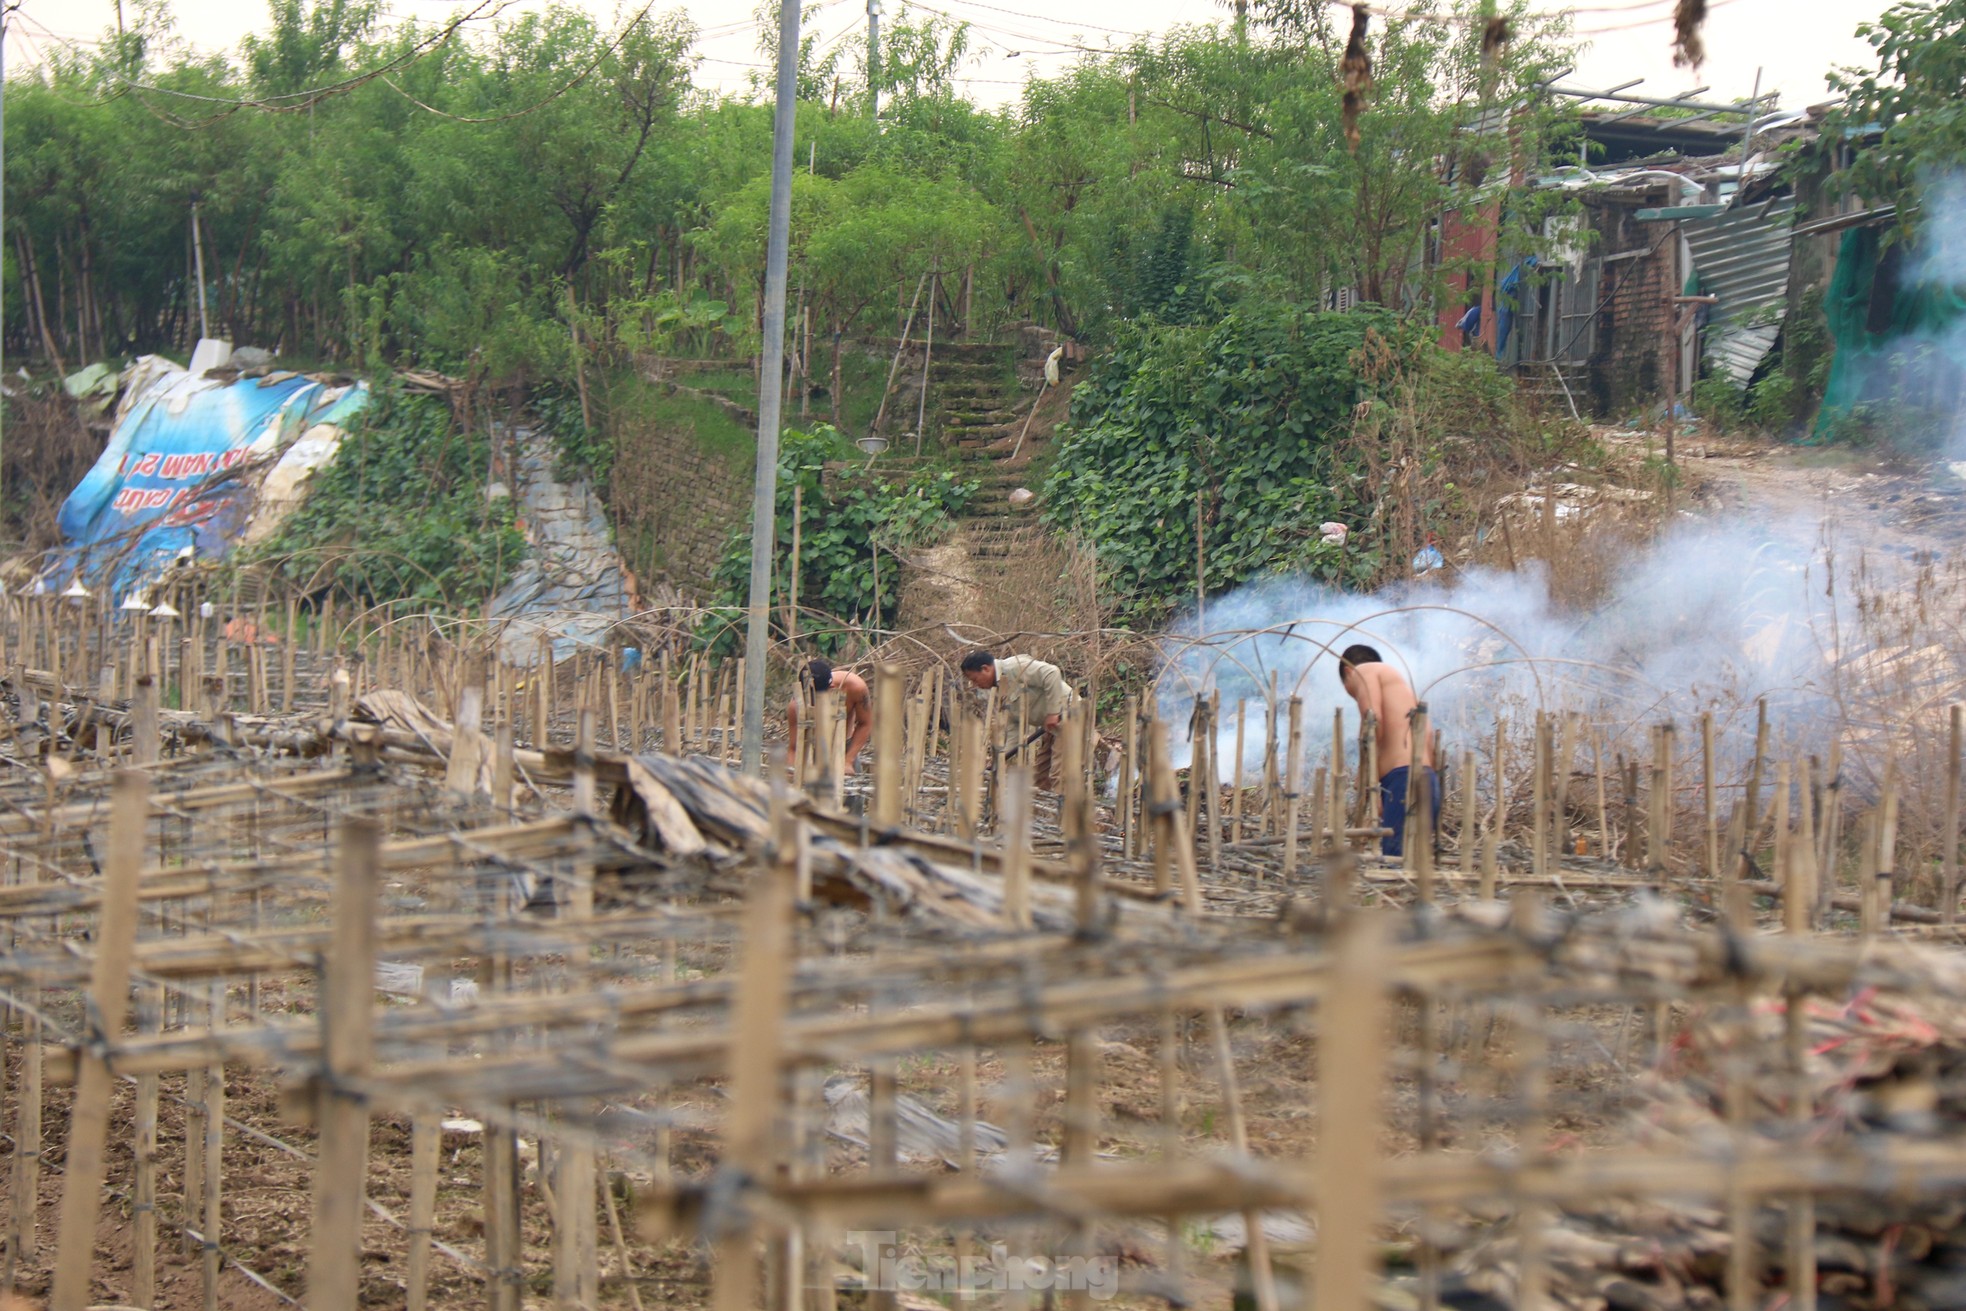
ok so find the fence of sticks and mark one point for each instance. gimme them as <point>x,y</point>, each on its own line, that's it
<point>435,980</point>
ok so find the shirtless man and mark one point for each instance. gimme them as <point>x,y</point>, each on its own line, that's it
<point>1387,701</point>
<point>859,710</point>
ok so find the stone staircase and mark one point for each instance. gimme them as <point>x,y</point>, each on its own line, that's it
<point>982,401</point>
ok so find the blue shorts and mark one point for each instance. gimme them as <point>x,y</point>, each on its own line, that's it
<point>1392,808</point>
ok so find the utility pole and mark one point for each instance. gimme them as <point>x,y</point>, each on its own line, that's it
<point>6,11</point>
<point>198,262</point>
<point>874,56</point>
<point>771,383</point>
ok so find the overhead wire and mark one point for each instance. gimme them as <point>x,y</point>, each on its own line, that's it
<point>295,101</point>
<point>613,44</point>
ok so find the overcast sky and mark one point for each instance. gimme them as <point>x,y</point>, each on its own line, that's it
<point>1792,43</point>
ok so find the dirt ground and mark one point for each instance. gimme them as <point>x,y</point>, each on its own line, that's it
<point>1861,499</point>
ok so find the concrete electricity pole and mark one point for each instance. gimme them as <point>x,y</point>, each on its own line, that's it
<point>771,383</point>
<point>874,56</point>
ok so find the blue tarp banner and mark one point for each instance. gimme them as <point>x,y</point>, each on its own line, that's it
<point>173,474</point>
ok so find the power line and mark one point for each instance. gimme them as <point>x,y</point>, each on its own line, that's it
<point>1045,18</point>
<point>293,101</point>
<point>606,50</point>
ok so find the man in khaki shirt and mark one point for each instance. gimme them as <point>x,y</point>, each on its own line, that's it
<point>1028,684</point>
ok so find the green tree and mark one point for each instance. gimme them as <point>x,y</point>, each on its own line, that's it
<point>1912,105</point>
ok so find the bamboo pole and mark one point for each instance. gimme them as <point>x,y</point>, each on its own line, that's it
<point>1015,794</point>
<point>1351,1075</point>
<point>751,1136</point>
<point>1236,797</point>
<point>334,1264</point>
<point>214,1145</point>
<point>109,995</point>
<point>425,1139</point>
<point>1293,761</point>
<point>1468,814</point>
<point>1418,832</point>
<point>890,766</point>
<point>143,1166</point>
<point>1949,834</point>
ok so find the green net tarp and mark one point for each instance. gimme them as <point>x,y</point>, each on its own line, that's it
<point>1900,343</point>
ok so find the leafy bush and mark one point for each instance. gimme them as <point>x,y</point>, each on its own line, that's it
<point>1239,421</point>
<point>1717,399</point>
<point>402,511</point>
<point>845,518</point>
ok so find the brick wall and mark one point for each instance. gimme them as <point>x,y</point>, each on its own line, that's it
<point>675,505</point>
<point>1631,366</point>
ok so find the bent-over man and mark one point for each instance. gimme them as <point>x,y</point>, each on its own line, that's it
<point>1384,696</point>
<point>820,676</point>
<point>1027,684</point>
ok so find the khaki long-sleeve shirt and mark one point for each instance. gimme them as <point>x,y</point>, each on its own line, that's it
<point>1039,689</point>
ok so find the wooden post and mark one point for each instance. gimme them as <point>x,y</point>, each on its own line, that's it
<point>1539,780</point>
<point>1293,762</point>
<point>334,1265</point>
<point>1129,767</point>
<point>1887,847</point>
<point>576,1260</point>
<point>1161,805</point>
<point>1711,806</point>
<point>1015,794</point>
<point>1351,1074</point>
<point>1235,797</point>
<point>214,1145</point>
<point>1949,834</point>
<point>1419,804</point>
<point>827,750</point>
<point>1338,811</point>
<point>143,1200</point>
<point>109,996</point>
<point>1468,820</point>
<point>889,766</point>
<point>426,1137</point>
<point>758,1015</point>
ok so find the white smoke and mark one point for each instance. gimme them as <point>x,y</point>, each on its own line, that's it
<point>1707,620</point>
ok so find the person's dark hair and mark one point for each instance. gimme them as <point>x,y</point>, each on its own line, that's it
<point>1356,654</point>
<point>976,660</point>
<point>821,674</point>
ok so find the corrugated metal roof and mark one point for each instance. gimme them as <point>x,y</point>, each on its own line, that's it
<point>1743,258</point>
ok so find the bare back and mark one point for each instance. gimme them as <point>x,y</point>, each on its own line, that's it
<point>1381,692</point>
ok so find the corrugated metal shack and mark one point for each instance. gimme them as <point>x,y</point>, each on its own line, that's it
<point>1680,262</point>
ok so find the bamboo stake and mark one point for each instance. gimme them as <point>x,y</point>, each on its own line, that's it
<point>758,1016</point>
<point>109,995</point>
<point>1351,1075</point>
<point>1235,798</point>
<point>425,1138</point>
<point>1830,839</point>
<point>1801,1273</point>
<point>1539,782</point>
<point>143,1201</point>
<point>1949,834</point>
<point>889,763</point>
<point>1710,806</point>
<point>1015,795</point>
<point>1492,847</point>
<point>1338,772</point>
<point>1419,806</point>
<point>334,1265</point>
<point>1293,761</point>
<point>1468,820</point>
<point>1262,1277</point>
<point>214,1144</point>
<point>1160,805</point>
<point>1887,846</point>
<point>1129,767</point>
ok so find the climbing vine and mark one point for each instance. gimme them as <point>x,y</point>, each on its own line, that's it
<point>1239,422</point>
<point>403,510</point>
<point>848,512</point>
